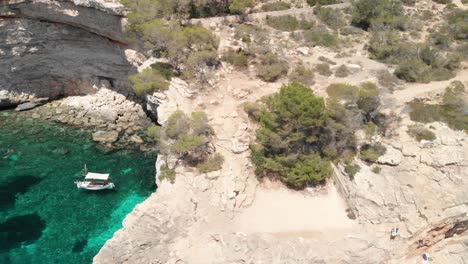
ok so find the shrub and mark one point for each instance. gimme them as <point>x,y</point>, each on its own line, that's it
<point>148,82</point>
<point>376,169</point>
<point>323,69</point>
<point>443,1</point>
<point>253,110</point>
<point>239,7</point>
<point>371,153</point>
<point>288,144</point>
<point>275,6</point>
<point>420,133</point>
<point>167,174</point>
<point>153,132</point>
<point>248,33</point>
<point>342,71</point>
<point>320,36</point>
<point>165,69</point>
<point>287,23</point>
<point>271,67</point>
<point>211,164</point>
<point>386,79</point>
<point>368,12</point>
<point>323,2</point>
<point>414,71</point>
<point>302,74</point>
<point>352,169</point>
<point>452,111</point>
<point>457,24</point>
<point>238,59</point>
<point>331,17</point>
<point>187,137</point>
<point>199,63</point>
<point>343,92</point>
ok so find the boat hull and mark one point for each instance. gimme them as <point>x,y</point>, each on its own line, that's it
<point>94,187</point>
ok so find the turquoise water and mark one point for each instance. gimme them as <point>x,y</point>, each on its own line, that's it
<point>44,218</point>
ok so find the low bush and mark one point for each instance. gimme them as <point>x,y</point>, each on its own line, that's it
<point>414,71</point>
<point>323,2</point>
<point>287,23</point>
<point>275,6</point>
<point>250,33</point>
<point>342,71</point>
<point>165,173</point>
<point>352,169</point>
<point>387,80</point>
<point>333,18</point>
<point>211,164</point>
<point>302,74</point>
<point>153,132</point>
<point>186,137</point>
<point>371,153</point>
<point>376,169</point>
<point>323,69</point>
<point>421,133</point>
<point>369,12</point>
<point>237,58</point>
<point>239,7</point>
<point>165,69</point>
<point>443,1</point>
<point>457,24</point>
<point>148,82</point>
<point>271,68</point>
<point>452,111</point>
<point>320,36</point>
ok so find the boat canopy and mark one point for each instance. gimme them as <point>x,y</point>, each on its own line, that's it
<point>97,176</point>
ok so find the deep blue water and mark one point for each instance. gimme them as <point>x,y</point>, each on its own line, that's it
<point>44,218</point>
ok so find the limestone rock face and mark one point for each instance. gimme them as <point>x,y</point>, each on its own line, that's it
<point>50,49</point>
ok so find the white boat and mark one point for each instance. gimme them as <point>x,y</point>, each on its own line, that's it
<point>95,182</point>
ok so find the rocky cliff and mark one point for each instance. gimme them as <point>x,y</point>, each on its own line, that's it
<point>50,49</point>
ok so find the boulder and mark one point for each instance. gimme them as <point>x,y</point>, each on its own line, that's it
<point>391,157</point>
<point>136,139</point>
<point>25,106</point>
<point>105,136</point>
<point>303,51</point>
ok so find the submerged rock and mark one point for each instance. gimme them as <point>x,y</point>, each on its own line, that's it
<point>105,137</point>
<point>26,106</point>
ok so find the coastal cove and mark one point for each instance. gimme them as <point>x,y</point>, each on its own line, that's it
<point>44,218</point>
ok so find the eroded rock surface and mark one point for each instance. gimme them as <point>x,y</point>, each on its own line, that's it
<point>51,49</point>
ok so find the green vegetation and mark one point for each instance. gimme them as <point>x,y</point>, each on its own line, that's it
<point>368,12</point>
<point>302,74</point>
<point>376,169</point>
<point>356,107</point>
<point>156,26</point>
<point>211,164</point>
<point>239,7</point>
<point>443,1</point>
<point>371,153</point>
<point>297,137</point>
<point>188,138</point>
<point>333,18</point>
<point>271,67</point>
<point>153,132</point>
<point>148,82</point>
<point>457,24</point>
<point>452,111</point>
<point>320,36</point>
<point>342,71</point>
<point>420,133</point>
<point>237,58</point>
<point>165,173</point>
<point>323,2</point>
<point>323,69</point>
<point>250,33</point>
<point>352,169</point>
<point>287,23</point>
<point>275,6</point>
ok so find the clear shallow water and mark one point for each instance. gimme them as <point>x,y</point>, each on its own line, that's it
<point>44,218</point>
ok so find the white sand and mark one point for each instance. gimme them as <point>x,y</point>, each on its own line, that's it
<point>279,210</point>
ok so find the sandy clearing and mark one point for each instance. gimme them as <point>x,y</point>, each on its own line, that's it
<point>279,210</point>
